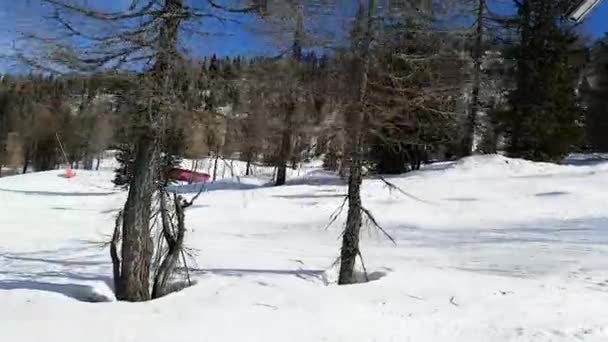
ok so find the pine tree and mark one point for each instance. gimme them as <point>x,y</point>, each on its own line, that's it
<point>545,120</point>
<point>597,97</point>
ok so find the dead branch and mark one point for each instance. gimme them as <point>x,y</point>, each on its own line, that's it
<point>186,204</point>
<point>363,265</point>
<point>166,220</point>
<point>372,219</point>
<point>173,233</point>
<point>145,11</point>
<point>392,186</point>
<point>186,267</point>
<point>334,216</point>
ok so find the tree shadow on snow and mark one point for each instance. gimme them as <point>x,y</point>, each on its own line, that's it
<point>216,186</point>
<point>320,178</point>
<point>80,292</point>
<point>562,232</point>
<point>309,195</point>
<point>80,277</point>
<point>552,194</point>
<point>78,262</point>
<point>305,274</point>
<point>315,178</point>
<point>554,242</point>
<point>56,193</point>
<point>461,199</point>
<point>587,160</point>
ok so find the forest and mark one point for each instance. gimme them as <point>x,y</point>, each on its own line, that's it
<point>371,88</point>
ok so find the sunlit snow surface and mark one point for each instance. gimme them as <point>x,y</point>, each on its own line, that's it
<point>488,249</point>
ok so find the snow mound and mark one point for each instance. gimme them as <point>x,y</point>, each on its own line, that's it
<point>496,165</point>
<point>98,292</point>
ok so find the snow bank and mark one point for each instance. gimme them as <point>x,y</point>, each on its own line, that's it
<point>496,166</point>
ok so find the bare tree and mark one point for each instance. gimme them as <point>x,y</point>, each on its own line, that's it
<point>407,78</point>
<point>355,121</point>
<point>291,103</point>
<point>478,55</point>
<point>147,32</point>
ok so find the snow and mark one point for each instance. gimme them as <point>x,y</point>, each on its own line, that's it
<point>488,249</point>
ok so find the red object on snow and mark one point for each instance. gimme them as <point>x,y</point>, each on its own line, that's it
<point>188,176</point>
<point>70,173</point>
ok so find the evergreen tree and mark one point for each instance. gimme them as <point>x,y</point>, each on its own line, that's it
<point>123,173</point>
<point>596,121</point>
<point>545,120</point>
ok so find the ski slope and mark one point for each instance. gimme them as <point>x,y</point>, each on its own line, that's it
<point>488,249</point>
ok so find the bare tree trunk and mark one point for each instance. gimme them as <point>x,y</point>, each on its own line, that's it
<point>217,157</point>
<point>26,158</point>
<point>285,151</point>
<point>471,123</point>
<point>114,252</point>
<point>248,167</point>
<point>350,238</point>
<point>175,243</point>
<point>87,163</point>
<point>224,169</point>
<point>98,162</point>
<point>355,122</point>
<point>137,244</point>
<point>287,136</point>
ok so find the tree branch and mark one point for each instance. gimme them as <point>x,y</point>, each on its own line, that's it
<point>109,16</point>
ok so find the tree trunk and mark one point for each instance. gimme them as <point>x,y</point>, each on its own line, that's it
<point>26,158</point>
<point>87,163</point>
<point>137,245</point>
<point>287,136</point>
<point>217,157</point>
<point>355,123</point>
<point>471,123</point>
<point>350,239</point>
<point>114,251</point>
<point>98,162</point>
<point>175,240</point>
<point>285,151</point>
<point>248,166</point>
<point>294,163</point>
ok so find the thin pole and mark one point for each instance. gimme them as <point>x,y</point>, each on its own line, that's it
<point>65,156</point>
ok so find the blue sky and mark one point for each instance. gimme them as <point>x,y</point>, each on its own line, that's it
<point>234,40</point>
<point>597,24</point>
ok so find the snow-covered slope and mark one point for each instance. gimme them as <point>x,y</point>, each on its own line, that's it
<point>488,249</point>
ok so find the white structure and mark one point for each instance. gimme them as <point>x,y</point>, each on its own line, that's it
<point>582,9</point>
